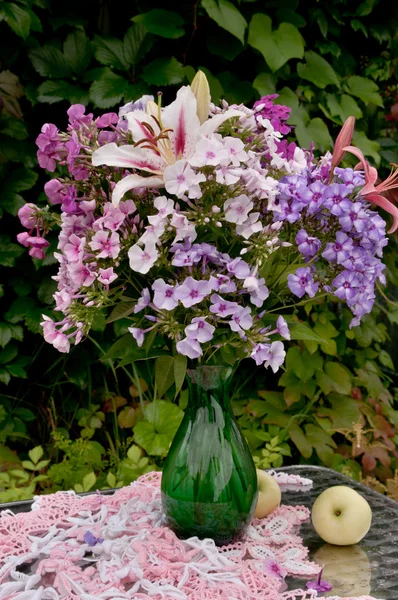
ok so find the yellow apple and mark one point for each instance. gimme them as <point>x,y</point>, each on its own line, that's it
<point>341,516</point>
<point>269,494</point>
<point>346,568</point>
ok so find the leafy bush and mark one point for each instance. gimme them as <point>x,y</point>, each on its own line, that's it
<point>326,60</point>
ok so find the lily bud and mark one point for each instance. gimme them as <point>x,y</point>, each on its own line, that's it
<point>343,139</point>
<point>201,90</point>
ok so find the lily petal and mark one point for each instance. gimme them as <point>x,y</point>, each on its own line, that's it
<point>387,206</point>
<point>132,182</point>
<point>214,123</point>
<point>128,157</point>
<point>343,139</point>
<point>136,121</point>
<point>181,117</point>
<point>370,172</point>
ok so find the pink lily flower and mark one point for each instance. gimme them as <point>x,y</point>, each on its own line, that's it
<point>158,142</point>
<point>343,139</point>
<point>372,192</point>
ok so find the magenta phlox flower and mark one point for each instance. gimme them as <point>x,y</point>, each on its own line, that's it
<point>273,568</point>
<point>236,150</point>
<point>302,282</point>
<point>189,347</point>
<point>50,147</point>
<point>107,276</point>
<point>238,267</point>
<point>73,148</point>
<point>308,245</point>
<point>180,178</point>
<point>80,275</point>
<point>108,243</point>
<point>165,207</point>
<point>164,297</point>
<point>74,249</point>
<point>335,199</point>
<point>107,119</point>
<point>62,299</point>
<point>354,219</point>
<point>241,321</point>
<point>184,229</point>
<point>28,214</point>
<point>223,284</point>
<point>23,239</point>
<point>200,330</point>
<point>282,328</point>
<point>143,301</point>
<point>192,292</point>
<point>257,289</point>
<point>77,116</point>
<point>320,585</point>
<point>55,191</point>
<point>237,209</point>
<point>143,259</point>
<point>209,152</point>
<point>221,307</point>
<point>138,335</point>
<point>276,356</point>
<point>346,284</point>
<point>260,353</point>
<point>112,219</point>
<point>339,250</point>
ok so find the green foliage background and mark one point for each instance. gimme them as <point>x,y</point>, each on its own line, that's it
<point>326,59</point>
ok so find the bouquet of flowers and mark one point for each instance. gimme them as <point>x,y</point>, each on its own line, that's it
<point>203,224</point>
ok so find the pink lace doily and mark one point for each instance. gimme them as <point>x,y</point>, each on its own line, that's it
<point>117,547</point>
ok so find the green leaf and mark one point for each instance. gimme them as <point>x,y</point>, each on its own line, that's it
<point>121,310</point>
<point>35,454</point>
<point>384,358</point>
<point>277,47</point>
<point>227,16</point>
<point>77,51</point>
<point>163,71</point>
<point>180,369</point>
<point>223,44</point>
<point>50,62</point>
<point>5,334</point>
<point>136,44</point>
<point>236,89</point>
<point>349,107</point>
<point>321,441</point>
<point>108,90</point>
<point>88,481</point>
<point>109,51</point>
<point>16,17</point>
<point>301,331</point>
<point>5,377</point>
<point>156,433</point>
<point>9,252</point>
<point>299,439</point>
<point>345,411</point>
<point>8,354</point>
<point>364,89</point>
<point>342,382</point>
<point>369,147</point>
<point>359,26</point>
<point>366,8</point>
<point>264,84</point>
<point>164,374</point>
<point>16,370</point>
<point>165,23</point>
<point>301,364</point>
<point>317,70</point>
<point>315,131</point>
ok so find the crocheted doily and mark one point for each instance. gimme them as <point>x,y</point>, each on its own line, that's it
<point>117,547</point>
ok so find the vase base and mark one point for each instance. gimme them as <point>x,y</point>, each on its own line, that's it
<point>219,522</point>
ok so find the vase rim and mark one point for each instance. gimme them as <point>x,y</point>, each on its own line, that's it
<point>210,376</point>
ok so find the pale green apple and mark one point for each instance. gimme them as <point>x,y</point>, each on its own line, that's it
<point>341,516</point>
<point>269,494</point>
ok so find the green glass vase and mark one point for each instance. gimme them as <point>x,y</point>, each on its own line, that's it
<point>209,481</point>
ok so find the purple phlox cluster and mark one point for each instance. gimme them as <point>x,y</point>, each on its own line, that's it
<point>277,114</point>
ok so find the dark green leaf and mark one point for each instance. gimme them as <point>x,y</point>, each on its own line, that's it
<point>9,252</point>
<point>16,17</point>
<point>277,47</point>
<point>224,44</point>
<point>109,51</point>
<point>16,370</point>
<point>77,51</point>
<point>341,378</point>
<point>301,331</point>
<point>5,334</point>
<point>108,90</point>
<point>121,310</point>
<point>136,44</point>
<point>165,23</point>
<point>369,147</point>
<point>46,290</point>
<point>4,376</point>
<point>227,16</point>
<point>163,71</point>
<point>164,374</point>
<point>52,91</point>
<point>264,84</point>
<point>359,26</point>
<point>366,7</point>
<point>315,131</point>
<point>236,89</point>
<point>180,369</point>
<point>50,62</point>
<point>8,354</point>
<point>299,439</point>
<point>364,89</point>
<point>317,70</point>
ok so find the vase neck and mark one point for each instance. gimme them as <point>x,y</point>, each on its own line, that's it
<point>209,386</point>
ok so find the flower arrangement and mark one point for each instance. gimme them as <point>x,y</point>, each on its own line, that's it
<point>207,221</point>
